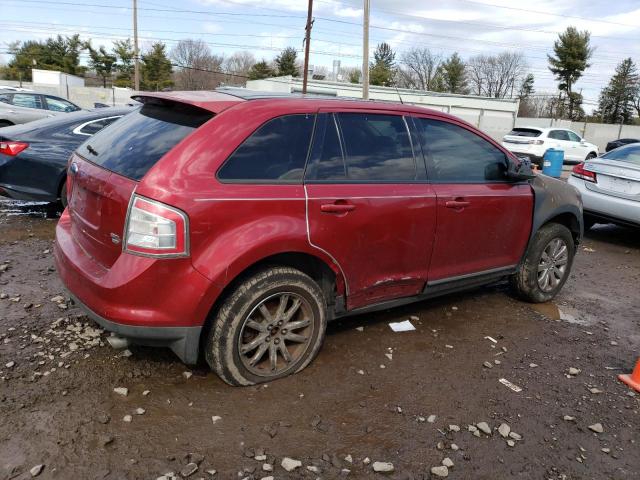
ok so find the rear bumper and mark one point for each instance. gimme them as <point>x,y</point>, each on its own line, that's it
<point>16,193</point>
<point>607,207</point>
<point>183,341</point>
<point>151,301</point>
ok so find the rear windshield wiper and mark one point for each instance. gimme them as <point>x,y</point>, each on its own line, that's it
<point>92,150</point>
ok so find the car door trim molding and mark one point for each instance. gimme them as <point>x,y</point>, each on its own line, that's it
<point>456,278</point>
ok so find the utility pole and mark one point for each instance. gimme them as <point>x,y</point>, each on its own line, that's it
<point>307,41</point>
<point>365,50</point>
<point>136,53</point>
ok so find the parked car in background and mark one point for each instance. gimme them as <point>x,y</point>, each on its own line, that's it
<point>610,187</point>
<point>14,89</point>
<point>238,226</point>
<point>535,141</point>
<point>33,156</point>
<point>23,107</point>
<point>619,143</point>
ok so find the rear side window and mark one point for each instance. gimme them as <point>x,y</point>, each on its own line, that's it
<point>364,147</point>
<point>458,155</point>
<point>132,145</point>
<point>525,132</point>
<point>558,135</point>
<point>275,152</point>
<point>27,100</point>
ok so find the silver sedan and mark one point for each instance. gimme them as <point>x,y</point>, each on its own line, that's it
<point>610,187</point>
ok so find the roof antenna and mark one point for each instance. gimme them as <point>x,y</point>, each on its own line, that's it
<point>399,96</point>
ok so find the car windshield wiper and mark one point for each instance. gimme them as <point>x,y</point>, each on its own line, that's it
<point>92,150</point>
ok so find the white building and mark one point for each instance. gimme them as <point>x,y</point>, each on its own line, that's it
<point>494,116</point>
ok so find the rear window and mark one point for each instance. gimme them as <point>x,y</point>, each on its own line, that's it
<point>629,153</point>
<point>135,143</point>
<point>525,132</point>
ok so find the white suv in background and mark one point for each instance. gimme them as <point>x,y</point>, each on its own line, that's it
<point>534,141</point>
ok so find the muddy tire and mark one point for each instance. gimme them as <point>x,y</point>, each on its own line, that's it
<point>546,265</point>
<point>272,325</point>
<point>63,195</point>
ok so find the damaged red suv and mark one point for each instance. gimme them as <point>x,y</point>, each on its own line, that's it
<point>233,225</point>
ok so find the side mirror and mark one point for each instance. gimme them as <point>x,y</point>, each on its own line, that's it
<point>520,169</point>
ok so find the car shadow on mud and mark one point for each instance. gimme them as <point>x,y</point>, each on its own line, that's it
<point>615,235</point>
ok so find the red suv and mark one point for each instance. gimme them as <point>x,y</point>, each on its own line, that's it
<point>235,225</point>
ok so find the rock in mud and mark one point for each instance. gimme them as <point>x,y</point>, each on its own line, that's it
<point>440,471</point>
<point>596,427</point>
<point>189,469</point>
<point>290,464</point>
<point>121,391</point>
<point>484,428</point>
<point>447,462</point>
<point>37,470</point>
<point>504,430</point>
<point>383,467</point>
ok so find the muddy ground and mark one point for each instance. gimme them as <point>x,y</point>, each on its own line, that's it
<point>58,407</point>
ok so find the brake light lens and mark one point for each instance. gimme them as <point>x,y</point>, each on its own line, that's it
<point>536,142</point>
<point>12,148</point>
<point>580,172</point>
<point>155,229</point>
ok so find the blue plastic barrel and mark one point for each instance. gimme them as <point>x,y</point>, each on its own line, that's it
<point>552,162</point>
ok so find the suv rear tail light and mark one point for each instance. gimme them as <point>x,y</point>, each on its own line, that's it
<point>536,142</point>
<point>12,148</point>
<point>155,229</point>
<point>580,172</point>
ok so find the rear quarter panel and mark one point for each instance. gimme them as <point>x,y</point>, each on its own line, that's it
<point>232,225</point>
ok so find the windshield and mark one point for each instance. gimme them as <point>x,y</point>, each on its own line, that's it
<point>135,143</point>
<point>628,153</point>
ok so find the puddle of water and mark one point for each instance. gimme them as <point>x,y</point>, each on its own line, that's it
<point>13,208</point>
<point>554,312</point>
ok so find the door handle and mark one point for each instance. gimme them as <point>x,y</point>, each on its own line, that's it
<point>457,203</point>
<point>337,207</point>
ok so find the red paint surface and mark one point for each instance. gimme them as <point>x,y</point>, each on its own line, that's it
<point>394,239</point>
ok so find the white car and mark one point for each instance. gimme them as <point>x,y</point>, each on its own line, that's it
<point>533,142</point>
<point>610,187</point>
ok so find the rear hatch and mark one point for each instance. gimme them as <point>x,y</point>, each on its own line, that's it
<point>105,170</point>
<point>522,137</point>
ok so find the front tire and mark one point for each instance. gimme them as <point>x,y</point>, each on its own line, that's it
<point>271,325</point>
<point>591,156</point>
<point>546,265</point>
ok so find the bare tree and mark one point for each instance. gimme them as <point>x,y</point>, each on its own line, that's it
<point>420,69</point>
<point>496,75</point>
<point>240,63</point>
<point>196,67</point>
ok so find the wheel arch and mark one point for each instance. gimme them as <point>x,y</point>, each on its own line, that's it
<point>330,281</point>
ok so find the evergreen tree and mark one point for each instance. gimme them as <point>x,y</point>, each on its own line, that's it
<point>526,89</point>
<point>454,75</point>
<point>261,70</point>
<point>123,51</point>
<point>572,52</point>
<point>59,53</point>
<point>383,68</point>
<point>286,62</point>
<point>102,62</point>
<point>616,103</point>
<point>155,68</point>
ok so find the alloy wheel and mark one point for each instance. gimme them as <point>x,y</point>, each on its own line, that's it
<point>553,264</point>
<point>276,334</point>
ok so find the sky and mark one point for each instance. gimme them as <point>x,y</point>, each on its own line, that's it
<point>264,27</point>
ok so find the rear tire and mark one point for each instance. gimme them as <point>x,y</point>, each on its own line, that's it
<point>63,195</point>
<point>249,341</point>
<point>546,265</point>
